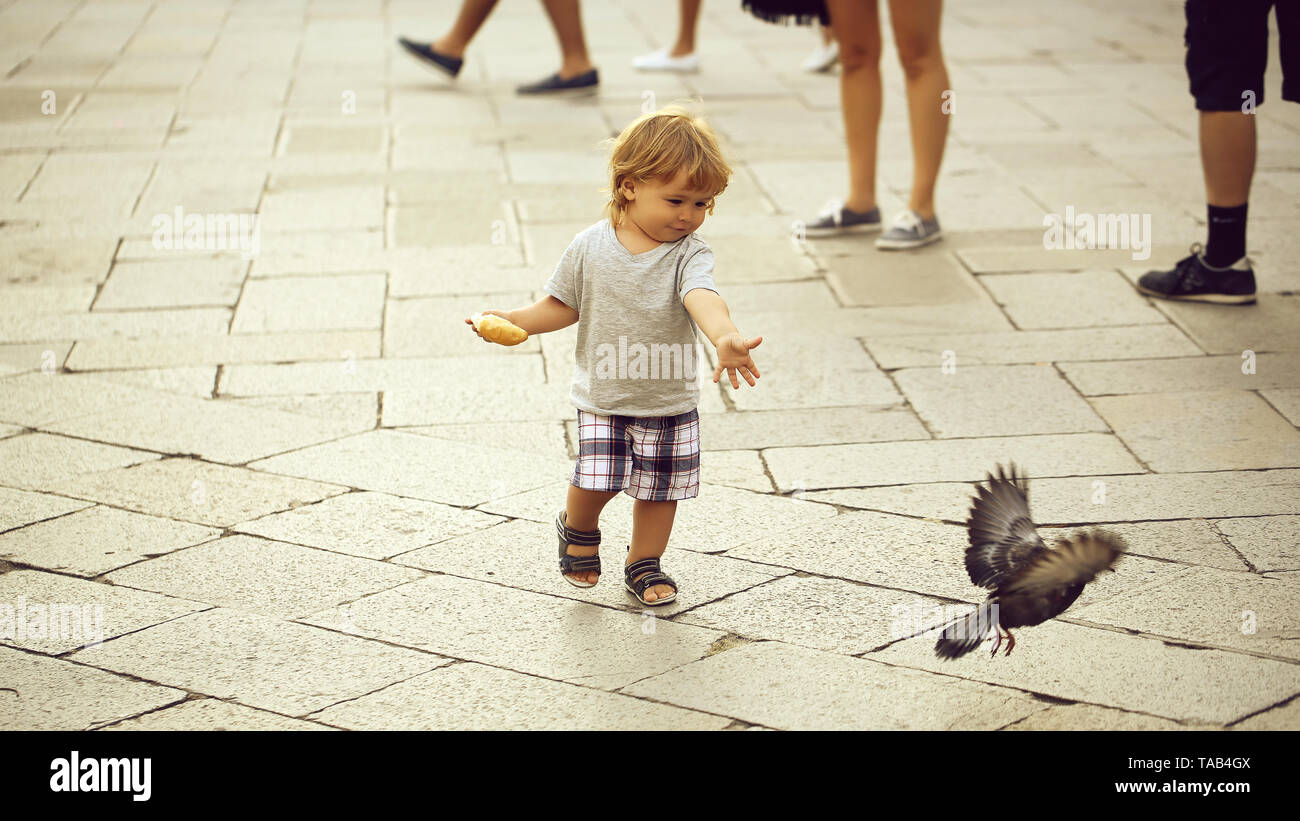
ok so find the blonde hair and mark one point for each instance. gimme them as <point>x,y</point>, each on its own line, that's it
<point>656,147</point>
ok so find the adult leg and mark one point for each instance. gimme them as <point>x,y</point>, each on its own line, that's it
<point>470,19</point>
<point>652,524</point>
<point>916,34</point>
<point>566,19</point>
<point>1227,156</point>
<point>857,27</point>
<point>686,25</point>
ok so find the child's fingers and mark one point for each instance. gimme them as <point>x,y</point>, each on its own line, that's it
<point>754,343</point>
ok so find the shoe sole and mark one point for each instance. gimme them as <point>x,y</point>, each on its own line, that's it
<point>655,603</point>
<point>585,91</point>
<point>905,245</point>
<point>437,68</point>
<point>1213,299</point>
<point>835,232</point>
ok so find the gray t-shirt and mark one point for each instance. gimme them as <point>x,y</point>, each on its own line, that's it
<point>636,353</point>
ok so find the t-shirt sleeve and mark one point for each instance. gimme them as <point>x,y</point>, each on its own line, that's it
<point>697,272</point>
<point>565,283</point>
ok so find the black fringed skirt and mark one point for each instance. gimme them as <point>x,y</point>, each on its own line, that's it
<point>801,12</point>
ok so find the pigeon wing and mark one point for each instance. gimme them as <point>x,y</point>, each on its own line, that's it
<point>1075,561</point>
<point>1003,539</point>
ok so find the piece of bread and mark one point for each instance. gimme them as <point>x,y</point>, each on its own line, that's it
<point>498,329</point>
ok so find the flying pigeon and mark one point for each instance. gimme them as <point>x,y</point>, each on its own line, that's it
<point>1031,582</point>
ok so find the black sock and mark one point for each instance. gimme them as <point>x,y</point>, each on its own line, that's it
<point>1227,242</point>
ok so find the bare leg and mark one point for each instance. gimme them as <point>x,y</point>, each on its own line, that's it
<point>582,512</point>
<point>827,33</point>
<point>686,25</point>
<point>916,33</point>
<point>652,523</point>
<point>857,27</point>
<point>566,19</point>
<point>1227,156</point>
<point>468,22</point>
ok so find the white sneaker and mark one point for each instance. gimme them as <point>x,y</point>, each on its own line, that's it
<point>661,61</point>
<point>822,57</point>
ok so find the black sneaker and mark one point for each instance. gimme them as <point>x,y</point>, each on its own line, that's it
<point>581,84</point>
<point>1194,281</point>
<point>443,64</point>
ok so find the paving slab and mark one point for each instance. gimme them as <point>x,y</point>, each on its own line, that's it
<point>808,426</point>
<point>794,688</point>
<point>99,539</point>
<point>1016,347</point>
<point>54,614</point>
<point>21,507</point>
<point>405,464</point>
<point>51,694</point>
<point>1088,500</point>
<point>262,576</point>
<point>370,374</point>
<point>369,525</point>
<point>1271,324</point>
<point>1115,669</point>
<point>206,714</point>
<point>37,399</point>
<point>1204,605</point>
<point>715,521</point>
<point>356,412</point>
<point>171,284</point>
<point>216,431</point>
<point>197,381</point>
<point>521,554</point>
<point>526,632</point>
<point>1286,402</point>
<point>1092,717</point>
<point>1085,299</point>
<point>192,491</point>
<point>547,438</point>
<point>1283,717</point>
<point>1205,373</point>
<point>259,661</point>
<point>896,463</point>
<point>1007,400</point>
<point>37,461</point>
<point>219,349</point>
<point>1218,430</point>
<point>470,696</point>
<point>351,302</point>
<point>1267,542</point>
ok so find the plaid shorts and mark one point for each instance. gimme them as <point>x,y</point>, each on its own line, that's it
<point>656,458</point>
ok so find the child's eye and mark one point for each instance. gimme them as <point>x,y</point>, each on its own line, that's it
<point>675,202</point>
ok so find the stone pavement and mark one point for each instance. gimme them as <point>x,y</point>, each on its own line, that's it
<point>302,495</point>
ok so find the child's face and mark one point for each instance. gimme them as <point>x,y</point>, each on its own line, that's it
<point>666,211</point>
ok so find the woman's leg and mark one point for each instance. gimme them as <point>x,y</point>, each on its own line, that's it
<point>857,28</point>
<point>916,34</point>
<point>566,18</point>
<point>686,25</point>
<point>468,22</point>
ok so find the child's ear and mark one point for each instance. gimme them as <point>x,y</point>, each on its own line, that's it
<point>628,188</point>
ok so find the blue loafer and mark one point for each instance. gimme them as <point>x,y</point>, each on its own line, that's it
<point>443,64</point>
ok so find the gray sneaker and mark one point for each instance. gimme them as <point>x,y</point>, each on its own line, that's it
<point>837,220</point>
<point>909,231</point>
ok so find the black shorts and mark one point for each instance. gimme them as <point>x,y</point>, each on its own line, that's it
<point>1227,49</point>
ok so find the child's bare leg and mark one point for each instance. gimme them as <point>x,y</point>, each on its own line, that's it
<point>652,523</point>
<point>582,512</point>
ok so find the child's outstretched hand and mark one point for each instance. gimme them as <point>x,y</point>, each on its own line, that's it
<point>733,355</point>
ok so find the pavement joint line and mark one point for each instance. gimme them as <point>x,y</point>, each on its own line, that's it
<point>1283,703</point>
<point>1214,527</point>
